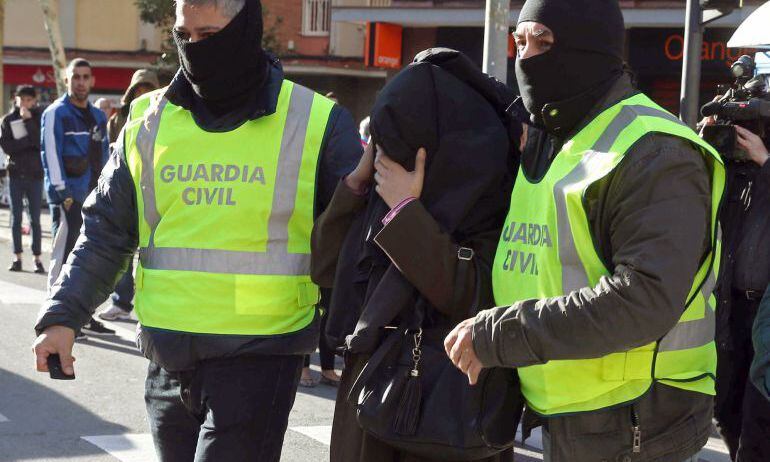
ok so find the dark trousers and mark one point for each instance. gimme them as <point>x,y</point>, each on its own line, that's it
<point>224,410</point>
<point>326,353</point>
<point>66,236</point>
<point>33,191</point>
<point>74,217</point>
<point>742,413</point>
<point>754,444</point>
<point>123,296</point>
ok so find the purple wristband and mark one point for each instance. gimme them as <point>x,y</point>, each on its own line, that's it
<point>394,211</point>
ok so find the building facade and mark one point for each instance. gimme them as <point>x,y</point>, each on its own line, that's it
<point>348,47</point>
<point>90,29</point>
<point>315,52</point>
<point>322,55</point>
<point>655,37</point>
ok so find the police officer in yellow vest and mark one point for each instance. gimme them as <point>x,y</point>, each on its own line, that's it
<point>217,180</point>
<point>606,263</point>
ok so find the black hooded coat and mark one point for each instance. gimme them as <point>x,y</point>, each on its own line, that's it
<point>467,184</point>
<point>444,103</point>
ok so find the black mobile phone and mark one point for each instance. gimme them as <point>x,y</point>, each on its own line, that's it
<point>55,370</point>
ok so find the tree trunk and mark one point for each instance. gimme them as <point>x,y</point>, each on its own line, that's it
<point>55,42</point>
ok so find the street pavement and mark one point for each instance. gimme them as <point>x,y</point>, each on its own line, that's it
<point>100,416</point>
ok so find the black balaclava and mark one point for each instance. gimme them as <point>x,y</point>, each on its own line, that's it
<point>226,69</point>
<point>589,42</point>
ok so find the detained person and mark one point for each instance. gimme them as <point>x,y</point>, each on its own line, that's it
<point>391,240</point>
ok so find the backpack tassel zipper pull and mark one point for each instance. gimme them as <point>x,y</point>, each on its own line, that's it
<point>408,412</point>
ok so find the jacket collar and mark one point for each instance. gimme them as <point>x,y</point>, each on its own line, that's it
<point>180,93</point>
<point>566,119</point>
<point>68,102</point>
<point>543,146</point>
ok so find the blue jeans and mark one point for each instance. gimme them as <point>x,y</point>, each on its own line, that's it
<point>33,191</point>
<point>123,297</point>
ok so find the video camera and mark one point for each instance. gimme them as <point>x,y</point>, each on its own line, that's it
<point>746,101</point>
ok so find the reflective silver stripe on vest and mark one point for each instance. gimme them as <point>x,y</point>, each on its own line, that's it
<point>225,261</point>
<point>573,273</point>
<point>277,260</point>
<point>684,335</point>
<point>626,117</point>
<point>574,276</point>
<point>695,333</point>
<point>145,142</point>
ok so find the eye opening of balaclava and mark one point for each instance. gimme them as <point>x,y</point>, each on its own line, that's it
<point>229,66</point>
<point>588,49</point>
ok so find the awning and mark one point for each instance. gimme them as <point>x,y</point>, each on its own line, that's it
<point>474,17</point>
<point>111,79</point>
<point>754,32</point>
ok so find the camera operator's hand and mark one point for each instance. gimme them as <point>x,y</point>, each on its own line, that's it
<point>710,120</point>
<point>753,145</point>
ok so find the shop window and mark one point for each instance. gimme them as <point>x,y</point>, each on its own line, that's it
<point>316,17</point>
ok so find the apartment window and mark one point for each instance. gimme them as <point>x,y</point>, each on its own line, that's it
<point>316,17</point>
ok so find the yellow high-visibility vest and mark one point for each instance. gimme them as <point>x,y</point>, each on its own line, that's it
<point>547,250</point>
<point>225,218</point>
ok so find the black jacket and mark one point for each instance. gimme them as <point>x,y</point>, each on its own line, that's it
<point>425,106</point>
<point>111,238</point>
<point>24,153</point>
<point>752,259</point>
<point>745,264</point>
<point>649,219</point>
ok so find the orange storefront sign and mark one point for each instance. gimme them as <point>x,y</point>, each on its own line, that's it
<point>383,45</point>
<point>711,50</point>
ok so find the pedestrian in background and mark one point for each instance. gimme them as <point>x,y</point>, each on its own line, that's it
<point>741,413</point>
<point>20,139</point>
<point>74,150</point>
<point>104,105</point>
<point>363,131</point>
<point>604,280</point>
<point>326,354</point>
<point>226,307</point>
<point>760,367</point>
<point>4,199</point>
<point>142,82</point>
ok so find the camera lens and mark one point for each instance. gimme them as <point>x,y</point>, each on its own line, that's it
<point>743,68</point>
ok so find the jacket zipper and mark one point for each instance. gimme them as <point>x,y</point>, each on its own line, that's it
<point>637,432</point>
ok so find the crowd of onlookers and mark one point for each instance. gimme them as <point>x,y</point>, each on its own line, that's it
<point>54,155</point>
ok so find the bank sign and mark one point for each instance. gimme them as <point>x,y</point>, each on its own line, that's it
<point>661,51</point>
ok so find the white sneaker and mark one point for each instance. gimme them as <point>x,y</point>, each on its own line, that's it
<point>114,313</point>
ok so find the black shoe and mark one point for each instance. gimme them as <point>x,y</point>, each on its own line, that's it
<point>39,268</point>
<point>80,336</point>
<point>15,266</point>
<point>97,328</point>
